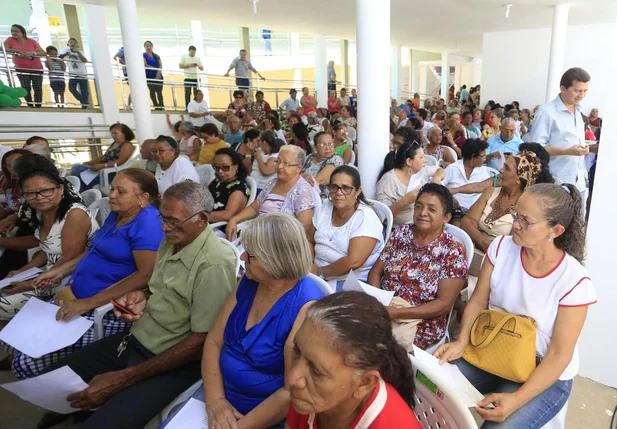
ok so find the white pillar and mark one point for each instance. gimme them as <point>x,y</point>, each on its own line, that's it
<point>321,70</point>
<point>424,69</point>
<point>101,62</point>
<point>395,73</point>
<point>294,39</point>
<point>415,72</point>
<point>198,42</point>
<point>127,12</point>
<point>344,62</point>
<point>558,49</point>
<point>445,76</point>
<point>477,72</point>
<point>40,20</point>
<point>373,56</point>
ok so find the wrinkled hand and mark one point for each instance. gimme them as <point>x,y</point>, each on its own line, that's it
<point>578,150</point>
<point>49,278</point>
<point>72,308</point>
<point>505,404</point>
<point>222,415</point>
<point>449,351</point>
<point>134,301</point>
<point>232,230</point>
<point>99,390</point>
<point>7,224</point>
<point>17,287</point>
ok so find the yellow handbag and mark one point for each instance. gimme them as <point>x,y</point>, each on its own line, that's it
<point>503,344</point>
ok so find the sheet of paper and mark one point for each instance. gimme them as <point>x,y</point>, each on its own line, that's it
<point>499,162</point>
<point>88,176</point>
<point>353,284</point>
<point>36,332</point>
<point>49,390</point>
<point>24,275</point>
<point>415,180</point>
<point>192,416</point>
<point>453,376</point>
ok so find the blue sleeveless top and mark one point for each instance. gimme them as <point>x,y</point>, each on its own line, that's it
<point>152,62</point>
<point>252,362</point>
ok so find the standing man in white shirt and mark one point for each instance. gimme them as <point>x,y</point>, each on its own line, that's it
<point>78,76</point>
<point>242,67</point>
<point>190,63</point>
<point>559,127</point>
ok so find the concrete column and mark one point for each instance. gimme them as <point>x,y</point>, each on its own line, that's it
<point>445,76</point>
<point>72,22</point>
<point>101,63</point>
<point>424,71</point>
<point>344,63</point>
<point>395,73</point>
<point>372,42</point>
<point>40,21</point>
<point>558,49</point>
<point>198,42</point>
<point>294,39</point>
<point>129,25</point>
<point>477,72</point>
<point>321,70</point>
<point>245,43</point>
<point>415,72</point>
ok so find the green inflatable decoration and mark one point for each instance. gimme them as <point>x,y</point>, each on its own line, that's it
<point>10,97</point>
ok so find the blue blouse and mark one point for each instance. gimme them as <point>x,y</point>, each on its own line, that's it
<point>252,362</point>
<point>110,257</point>
<point>152,62</point>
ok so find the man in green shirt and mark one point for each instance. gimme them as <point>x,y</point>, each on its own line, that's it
<point>133,375</point>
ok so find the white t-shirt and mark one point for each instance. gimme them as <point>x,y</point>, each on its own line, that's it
<point>179,171</point>
<point>187,60</point>
<point>195,107</point>
<point>455,177</point>
<point>74,64</point>
<point>262,180</point>
<point>427,126</point>
<point>332,243</point>
<point>515,291</point>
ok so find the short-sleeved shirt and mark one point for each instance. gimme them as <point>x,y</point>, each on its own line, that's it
<point>208,151</point>
<point>290,105</point>
<point>74,64</point>
<point>496,144</point>
<point>299,198</point>
<point>221,191</point>
<point>153,63</point>
<point>385,409</point>
<point>234,138</point>
<point>315,169</point>
<point>187,146</point>
<point>110,256</point>
<point>242,67</point>
<point>195,107</point>
<point>332,242</point>
<point>24,62</point>
<point>414,273</point>
<point>256,174</point>
<point>187,60</point>
<point>188,289</point>
<point>516,291</point>
<point>179,171</point>
<point>456,176</point>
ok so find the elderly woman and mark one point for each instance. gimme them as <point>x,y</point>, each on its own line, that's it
<point>229,189</point>
<point>120,260</point>
<point>436,150</point>
<point>536,273</point>
<point>288,193</point>
<point>172,168</point>
<point>118,153</point>
<point>348,120</point>
<point>345,359</point>
<point>308,102</point>
<point>322,163</point>
<point>346,233</point>
<point>399,187</point>
<point>190,144</point>
<point>595,121</point>
<point>238,105</point>
<point>248,350</point>
<point>341,146</point>
<point>424,265</point>
<point>264,155</point>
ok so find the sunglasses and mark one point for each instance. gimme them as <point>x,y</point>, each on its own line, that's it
<point>224,168</point>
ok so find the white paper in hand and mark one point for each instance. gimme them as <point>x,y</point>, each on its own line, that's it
<point>20,277</point>
<point>36,332</point>
<point>192,416</point>
<point>353,284</point>
<point>88,176</point>
<point>415,181</point>
<point>49,390</point>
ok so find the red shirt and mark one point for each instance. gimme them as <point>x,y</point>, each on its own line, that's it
<point>21,62</point>
<point>385,409</point>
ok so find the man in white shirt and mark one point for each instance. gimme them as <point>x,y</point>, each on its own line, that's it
<point>426,125</point>
<point>559,127</point>
<point>345,101</point>
<point>190,63</point>
<point>78,75</point>
<point>290,104</point>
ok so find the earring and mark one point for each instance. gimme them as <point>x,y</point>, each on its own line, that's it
<point>550,238</point>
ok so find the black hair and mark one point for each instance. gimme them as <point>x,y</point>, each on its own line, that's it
<point>473,147</point>
<point>423,113</point>
<point>4,164</point>
<point>319,135</point>
<point>51,48</point>
<point>300,131</point>
<point>129,135</point>
<point>238,92</point>
<point>388,163</point>
<point>355,179</point>
<point>259,92</point>
<point>406,150</point>
<point>192,48</point>
<point>415,123</point>
<point>441,192</point>
<point>574,74</point>
<point>236,159</point>
<point>177,126</point>
<point>269,137</point>
<point>250,134</point>
<point>545,173</point>
<point>209,129</point>
<point>169,140</point>
<point>21,29</point>
<point>32,139</point>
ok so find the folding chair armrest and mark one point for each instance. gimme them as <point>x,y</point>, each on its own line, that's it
<point>99,313</point>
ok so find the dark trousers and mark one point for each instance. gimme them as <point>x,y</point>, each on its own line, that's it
<point>15,259</point>
<point>80,90</point>
<point>243,83</point>
<point>31,80</point>
<point>188,84</point>
<point>133,407</point>
<point>156,94</point>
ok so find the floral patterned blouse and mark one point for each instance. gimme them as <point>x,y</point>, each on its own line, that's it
<point>298,199</point>
<point>414,273</point>
<point>13,201</point>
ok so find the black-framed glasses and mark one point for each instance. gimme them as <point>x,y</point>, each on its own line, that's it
<point>45,193</point>
<point>173,224</point>
<point>223,168</point>
<point>346,190</point>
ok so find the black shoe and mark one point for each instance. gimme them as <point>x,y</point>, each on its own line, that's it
<point>51,419</point>
<point>5,364</point>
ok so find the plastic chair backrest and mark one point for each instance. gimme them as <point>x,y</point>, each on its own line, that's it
<point>62,172</point>
<point>100,209</point>
<point>253,185</point>
<point>236,252</point>
<point>74,180</point>
<point>90,196</point>
<point>462,236</point>
<point>324,287</point>
<point>206,174</point>
<point>431,160</point>
<point>353,157</point>
<point>452,151</point>
<point>385,215</point>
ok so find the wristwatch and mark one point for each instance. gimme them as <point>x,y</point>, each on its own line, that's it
<point>249,156</point>
<point>321,274</point>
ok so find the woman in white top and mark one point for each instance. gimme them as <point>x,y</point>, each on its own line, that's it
<point>172,168</point>
<point>399,187</point>
<point>536,273</point>
<point>62,226</point>
<point>263,169</point>
<point>190,145</point>
<point>346,233</point>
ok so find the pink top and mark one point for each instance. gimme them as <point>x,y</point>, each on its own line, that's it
<point>309,109</point>
<point>21,62</point>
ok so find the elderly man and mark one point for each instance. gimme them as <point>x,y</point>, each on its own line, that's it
<point>147,161</point>
<point>290,104</point>
<point>559,127</point>
<point>234,133</point>
<point>401,113</point>
<point>242,67</point>
<point>133,375</point>
<point>504,143</point>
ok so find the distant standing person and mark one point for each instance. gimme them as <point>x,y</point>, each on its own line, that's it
<point>331,77</point>
<point>190,63</point>
<point>78,76</point>
<point>267,36</point>
<point>154,75</point>
<point>57,69</point>
<point>122,60</point>
<point>242,67</point>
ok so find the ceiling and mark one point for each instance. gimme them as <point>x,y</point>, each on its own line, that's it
<point>454,26</point>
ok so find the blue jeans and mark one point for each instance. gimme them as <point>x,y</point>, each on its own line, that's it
<point>534,414</point>
<point>200,395</point>
<point>242,83</point>
<point>79,88</point>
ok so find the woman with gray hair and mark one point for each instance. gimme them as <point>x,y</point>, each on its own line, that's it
<point>190,144</point>
<point>172,168</point>
<point>288,193</point>
<point>248,351</point>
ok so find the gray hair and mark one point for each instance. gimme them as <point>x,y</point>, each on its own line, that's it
<point>313,116</point>
<point>39,149</point>
<point>431,131</point>
<point>508,120</point>
<point>279,241</point>
<point>195,197</point>
<point>188,127</point>
<point>297,150</point>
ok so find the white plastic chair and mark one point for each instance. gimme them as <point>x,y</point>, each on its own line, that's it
<point>385,215</point>
<point>237,253</point>
<point>324,287</point>
<point>438,406</point>
<point>105,173</point>
<point>431,160</point>
<point>74,180</point>
<point>352,161</point>
<point>206,174</point>
<point>220,226</point>
<point>464,238</point>
<point>100,209</point>
<point>90,196</point>
<point>452,151</point>
<point>62,171</point>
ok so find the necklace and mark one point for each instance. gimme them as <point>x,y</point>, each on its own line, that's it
<point>123,221</point>
<point>497,211</point>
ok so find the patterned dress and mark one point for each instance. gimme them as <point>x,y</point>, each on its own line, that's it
<point>414,273</point>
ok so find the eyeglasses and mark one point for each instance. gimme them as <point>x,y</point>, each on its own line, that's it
<point>239,96</point>
<point>325,144</point>
<point>45,193</point>
<point>224,168</point>
<point>157,151</point>
<point>278,162</point>
<point>172,224</point>
<point>248,256</point>
<point>346,190</point>
<point>525,224</point>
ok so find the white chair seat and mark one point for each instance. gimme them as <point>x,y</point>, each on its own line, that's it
<point>385,215</point>
<point>74,180</point>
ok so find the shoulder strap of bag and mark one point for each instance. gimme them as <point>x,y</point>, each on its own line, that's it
<point>492,335</point>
